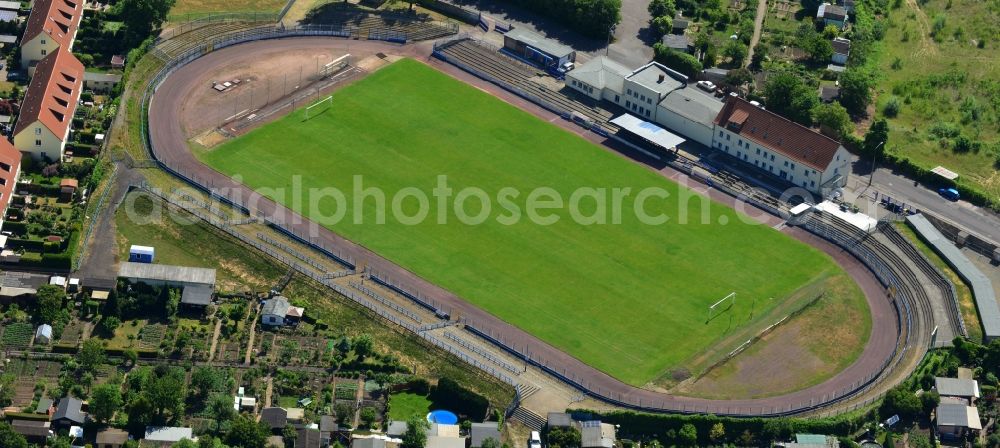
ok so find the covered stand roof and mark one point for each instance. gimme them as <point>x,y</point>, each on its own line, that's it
<point>982,288</point>
<point>535,40</point>
<point>649,131</point>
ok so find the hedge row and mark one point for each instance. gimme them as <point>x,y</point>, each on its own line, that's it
<point>664,427</point>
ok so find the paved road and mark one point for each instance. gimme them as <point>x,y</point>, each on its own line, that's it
<point>170,145</point>
<point>979,221</point>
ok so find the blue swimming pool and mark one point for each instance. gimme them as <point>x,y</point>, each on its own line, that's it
<point>443,417</point>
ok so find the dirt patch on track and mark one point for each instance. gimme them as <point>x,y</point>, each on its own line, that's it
<point>264,77</point>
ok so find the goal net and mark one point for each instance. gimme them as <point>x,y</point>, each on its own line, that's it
<point>724,304</point>
<point>319,106</point>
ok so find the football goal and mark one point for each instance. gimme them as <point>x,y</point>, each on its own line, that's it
<point>319,106</point>
<point>724,304</point>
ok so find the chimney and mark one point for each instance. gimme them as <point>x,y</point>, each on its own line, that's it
<point>662,77</point>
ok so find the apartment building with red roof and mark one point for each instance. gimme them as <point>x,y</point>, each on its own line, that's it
<point>51,26</point>
<point>10,170</point>
<point>43,126</point>
<point>781,147</point>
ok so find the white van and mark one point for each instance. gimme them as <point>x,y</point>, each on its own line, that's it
<point>535,441</point>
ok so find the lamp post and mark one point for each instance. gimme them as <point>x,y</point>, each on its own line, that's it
<point>874,161</point>
<point>611,33</point>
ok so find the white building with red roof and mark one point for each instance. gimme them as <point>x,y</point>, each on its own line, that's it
<point>43,126</point>
<point>51,26</point>
<point>781,147</point>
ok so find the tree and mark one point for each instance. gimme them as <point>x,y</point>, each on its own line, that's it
<point>682,62</point>
<point>834,119</point>
<point>563,437</point>
<point>50,303</point>
<point>165,391</point>
<point>819,49</point>
<point>246,433</point>
<point>141,17</point>
<point>416,432</point>
<point>739,77</point>
<point>717,433</point>
<point>661,8</point>
<point>109,324</point>
<point>205,380</point>
<point>9,438</point>
<point>662,25</point>
<point>220,407</point>
<point>688,435</point>
<point>736,51</point>
<point>343,413</point>
<point>368,416</point>
<point>490,442</point>
<point>185,443</point>
<point>876,137</point>
<point>902,402</point>
<point>855,90</point>
<point>787,95</point>
<point>364,346</point>
<point>91,355</point>
<point>289,434</point>
<point>104,401</point>
<point>131,356</point>
<point>929,401</point>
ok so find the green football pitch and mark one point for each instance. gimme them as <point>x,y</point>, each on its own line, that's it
<point>628,298</point>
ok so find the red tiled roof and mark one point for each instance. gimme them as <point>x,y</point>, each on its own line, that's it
<point>69,182</point>
<point>10,161</point>
<point>57,18</point>
<point>777,133</point>
<point>51,97</point>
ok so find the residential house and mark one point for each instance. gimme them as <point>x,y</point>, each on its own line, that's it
<point>165,436</point>
<point>678,42</point>
<point>966,390</point>
<point>34,431</point>
<point>10,171</point>
<point>479,432</point>
<point>781,147</point>
<point>277,311</point>
<point>829,94</point>
<point>594,434</point>
<point>42,129</point>
<point>274,418</point>
<point>307,438</point>
<point>111,438</point>
<point>955,419</point>
<point>51,27</point>
<point>679,25</point>
<point>832,15</point>
<point>444,436</point>
<point>101,82</point>
<point>841,50</point>
<point>69,412</point>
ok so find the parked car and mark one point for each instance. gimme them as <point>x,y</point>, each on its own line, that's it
<point>535,441</point>
<point>707,86</point>
<point>950,194</point>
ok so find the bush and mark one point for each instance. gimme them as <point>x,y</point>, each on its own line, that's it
<point>891,108</point>
<point>682,62</point>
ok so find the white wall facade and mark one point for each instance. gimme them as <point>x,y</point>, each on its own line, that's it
<point>782,167</point>
<point>679,124</point>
